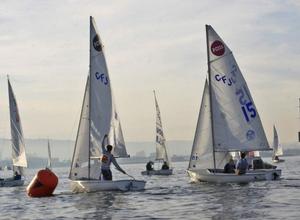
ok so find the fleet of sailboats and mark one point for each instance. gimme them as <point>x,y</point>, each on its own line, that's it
<point>228,123</point>
<point>228,120</point>
<point>161,149</point>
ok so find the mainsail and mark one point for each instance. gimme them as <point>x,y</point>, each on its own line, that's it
<point>98,116</point>
<point>277,148</point>
<point>236,122</point>
<point>161,150</point>
<point>18,145</point>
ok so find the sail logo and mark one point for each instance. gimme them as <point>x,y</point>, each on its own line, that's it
<point>226,80</point>
<point>97,44</point>
<point>102,78</point>
<point>217,48</point>
<point>250,135</point>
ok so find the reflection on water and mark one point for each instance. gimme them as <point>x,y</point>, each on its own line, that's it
<point>96,205</point>
<point>172,197</point>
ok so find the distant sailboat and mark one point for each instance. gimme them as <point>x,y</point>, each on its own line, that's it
<point>49,164</point>
<point>161,150</point>
<point>18,144</point>
<point>277,148</point>
<point>98,118</point>
<point>228,120</point>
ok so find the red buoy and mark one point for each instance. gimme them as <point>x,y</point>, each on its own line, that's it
<point>43,184</point>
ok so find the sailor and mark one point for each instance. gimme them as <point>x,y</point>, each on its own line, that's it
<point>165,166</point>
<point>17,176</point>
<point>106,159</point>
<point>149,166</point>
<point>242,165</point>
<point>230,166</point>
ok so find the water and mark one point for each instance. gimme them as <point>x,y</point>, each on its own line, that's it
<point>170,197</point>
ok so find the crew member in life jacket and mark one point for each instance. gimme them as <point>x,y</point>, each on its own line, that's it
<point>106,159</point>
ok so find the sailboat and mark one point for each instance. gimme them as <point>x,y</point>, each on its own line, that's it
<point>228,120</point>
<point>98,118</point>
<point>49,164</point>
<point>18,144</point>
<point>277,148</point>
<point>161,150</point>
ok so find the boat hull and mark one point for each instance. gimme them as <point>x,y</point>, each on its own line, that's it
<point>278,161</point>
<point>11,182</point>
<point>204,175</point>
<point>158,172</point>
<point>79,186</point>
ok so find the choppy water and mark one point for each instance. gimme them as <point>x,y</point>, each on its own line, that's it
<point>170,197</point>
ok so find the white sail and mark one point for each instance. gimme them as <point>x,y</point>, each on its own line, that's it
<point>202,150</point>
<point>277,148</point>
<point>80,161</point>
<point>236,122</point>
<point>98,116</point>
<point>18,145</point>
<point>161,150</point>
<point>49,165</point>
<point>116,137</point>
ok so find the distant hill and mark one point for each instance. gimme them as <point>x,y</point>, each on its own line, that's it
<point>63,149</point>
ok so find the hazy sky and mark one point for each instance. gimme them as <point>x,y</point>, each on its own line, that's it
<point>151,44</point>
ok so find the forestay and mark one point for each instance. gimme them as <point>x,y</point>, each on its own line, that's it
<point>98,116</point>
<point>18,144</point>
<point>236,122</point>
<point>202,150</point>
<point>161,151</point>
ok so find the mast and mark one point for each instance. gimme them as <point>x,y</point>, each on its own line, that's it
<point>89,118</point>
<point>210,99</point>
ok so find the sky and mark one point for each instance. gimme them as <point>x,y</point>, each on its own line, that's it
<point>148,45</point>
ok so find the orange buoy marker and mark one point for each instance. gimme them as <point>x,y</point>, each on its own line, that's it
<point>43,184</point>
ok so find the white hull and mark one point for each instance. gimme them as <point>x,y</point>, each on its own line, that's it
<point>205,175</point>
<point>11,183</point>
<point>80,186</point>
<point>158,172</point>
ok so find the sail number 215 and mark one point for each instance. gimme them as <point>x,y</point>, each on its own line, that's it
<point>247,106</point>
